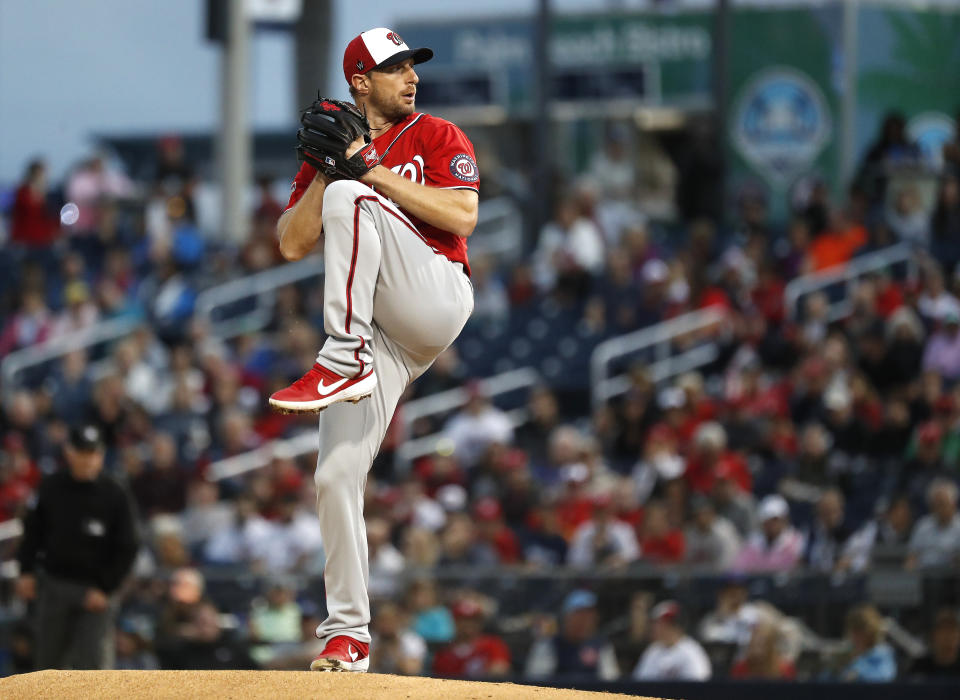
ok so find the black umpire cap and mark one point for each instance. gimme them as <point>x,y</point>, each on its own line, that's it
<point>86,437</point>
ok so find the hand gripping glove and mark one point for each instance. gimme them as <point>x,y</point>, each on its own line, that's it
<point>328,127</point>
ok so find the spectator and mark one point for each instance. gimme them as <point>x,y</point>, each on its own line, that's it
<point>476,427</point>
<point>489,516</point>
<point>945,223</point>
<point>472,654</point>
<point>829,534</point>
<point>777,546</point>
<point>433,622</point>
<point>394,648</point>
<point>603,541</point>
<point>245,541</point>
<point>31,223</point>
<point>32,323</point>
<point>733,618</point>
<point>385,561</point>
<point>907,218</point>
<point>710,451</point>
<point>533,436</point>
<point>275,618</point>
<point>936,302</point>
<point>873,660</point>
<point>132,651</point>
<point>762,659</point>
<point>659,542</point>
<point>935,541</point>
<point>203,645</point>
<point>732,502</point>
<point>183,597</point>
<point>711,540</point>
<point>942,353</point>
<point>942,660</point>
<point>569,251</point>
<point>578,651</point>
<point>205,515</point>
<point>163,487</point>
<point>672,655</point>
<point>890,528</point>
<point>460,545</point>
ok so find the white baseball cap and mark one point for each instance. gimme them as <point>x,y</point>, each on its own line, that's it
<point>773,506</point>
<point>378,48</point>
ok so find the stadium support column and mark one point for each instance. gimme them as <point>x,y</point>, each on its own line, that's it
<point>313,35</point>
<point>721,92</point>
<point>542,125</point>
<point>235,139</point>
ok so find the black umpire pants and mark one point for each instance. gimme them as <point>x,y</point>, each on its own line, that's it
<point>68,635</point>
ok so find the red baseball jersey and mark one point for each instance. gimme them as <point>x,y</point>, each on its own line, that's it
<point>427,150</point>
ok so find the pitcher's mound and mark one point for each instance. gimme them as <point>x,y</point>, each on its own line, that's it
<point>273,685</point>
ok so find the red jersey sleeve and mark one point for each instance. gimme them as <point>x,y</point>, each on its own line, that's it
<point>300,183</point>
<point>451,162</point>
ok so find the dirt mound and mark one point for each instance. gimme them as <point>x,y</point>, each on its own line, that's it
<point>275,685</point>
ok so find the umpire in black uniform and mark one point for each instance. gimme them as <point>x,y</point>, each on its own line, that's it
<point>79,543</point>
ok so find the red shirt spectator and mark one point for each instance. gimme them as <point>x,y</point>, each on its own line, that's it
<point>471,654</point>
<point>659,543</point>
<point>489,516</point>
<point>30,222</point>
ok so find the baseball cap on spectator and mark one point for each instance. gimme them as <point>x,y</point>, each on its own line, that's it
<point>667,611</point>
<point>378,48</point>
<point>576,473</point>
<point>838,398</point>
<point>669,466</point>
<point>453,497</point>
<point>578,600</point>
<point>466,608</point>
<point>86,438</point>
<point>671,398</point>
<point>773,506</point>
<point>487,509</point>
<point>654,271</point>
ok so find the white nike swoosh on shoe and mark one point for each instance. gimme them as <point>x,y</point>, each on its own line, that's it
<point>353,655</point>
<point>330,388</point>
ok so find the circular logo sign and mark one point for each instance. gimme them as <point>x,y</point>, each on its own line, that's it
<point>780,123</point>
<point>463,167</point>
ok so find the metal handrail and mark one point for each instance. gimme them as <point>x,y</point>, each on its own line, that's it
<point>847,273</point>
<point>288,448</point>
<point>308,441</point>
<point>499,232</point>
<point>261,285</point>
<point>104,331</point>
<point>604,388</point>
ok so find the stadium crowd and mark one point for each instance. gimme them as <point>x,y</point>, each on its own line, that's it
<point>810,445</point>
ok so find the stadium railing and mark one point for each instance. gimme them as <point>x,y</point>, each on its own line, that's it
<point>666,363</point>
<point>499,232</point>
<point>846,275</point>
<point>19,361</point>
<point>435,404</point>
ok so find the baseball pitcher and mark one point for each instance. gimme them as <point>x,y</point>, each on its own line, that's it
<point>393,192</point>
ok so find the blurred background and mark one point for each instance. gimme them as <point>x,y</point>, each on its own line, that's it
<point>707,401</point>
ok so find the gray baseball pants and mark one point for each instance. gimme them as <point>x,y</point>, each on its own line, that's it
<point>69,635</point>
<point>392,301</point>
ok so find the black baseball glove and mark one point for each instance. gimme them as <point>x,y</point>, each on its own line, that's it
<point>328,127</point>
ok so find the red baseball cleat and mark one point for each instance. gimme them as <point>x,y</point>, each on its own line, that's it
<point>343,654</point>
<point>321,387</point>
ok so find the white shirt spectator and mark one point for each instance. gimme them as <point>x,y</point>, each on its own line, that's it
<point>386,564</point>
<point>472,432</point>
<point>936,307</point>
<point>684,661</point>
<point>619,539</point>
<point>780,555</point>
<point>582,243</point>
<point>934,544</point>
<point>716,547</point>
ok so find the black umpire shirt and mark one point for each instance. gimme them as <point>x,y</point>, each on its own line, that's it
<point>80,531</point>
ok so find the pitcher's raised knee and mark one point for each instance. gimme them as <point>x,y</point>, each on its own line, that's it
<point>344,193</point>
